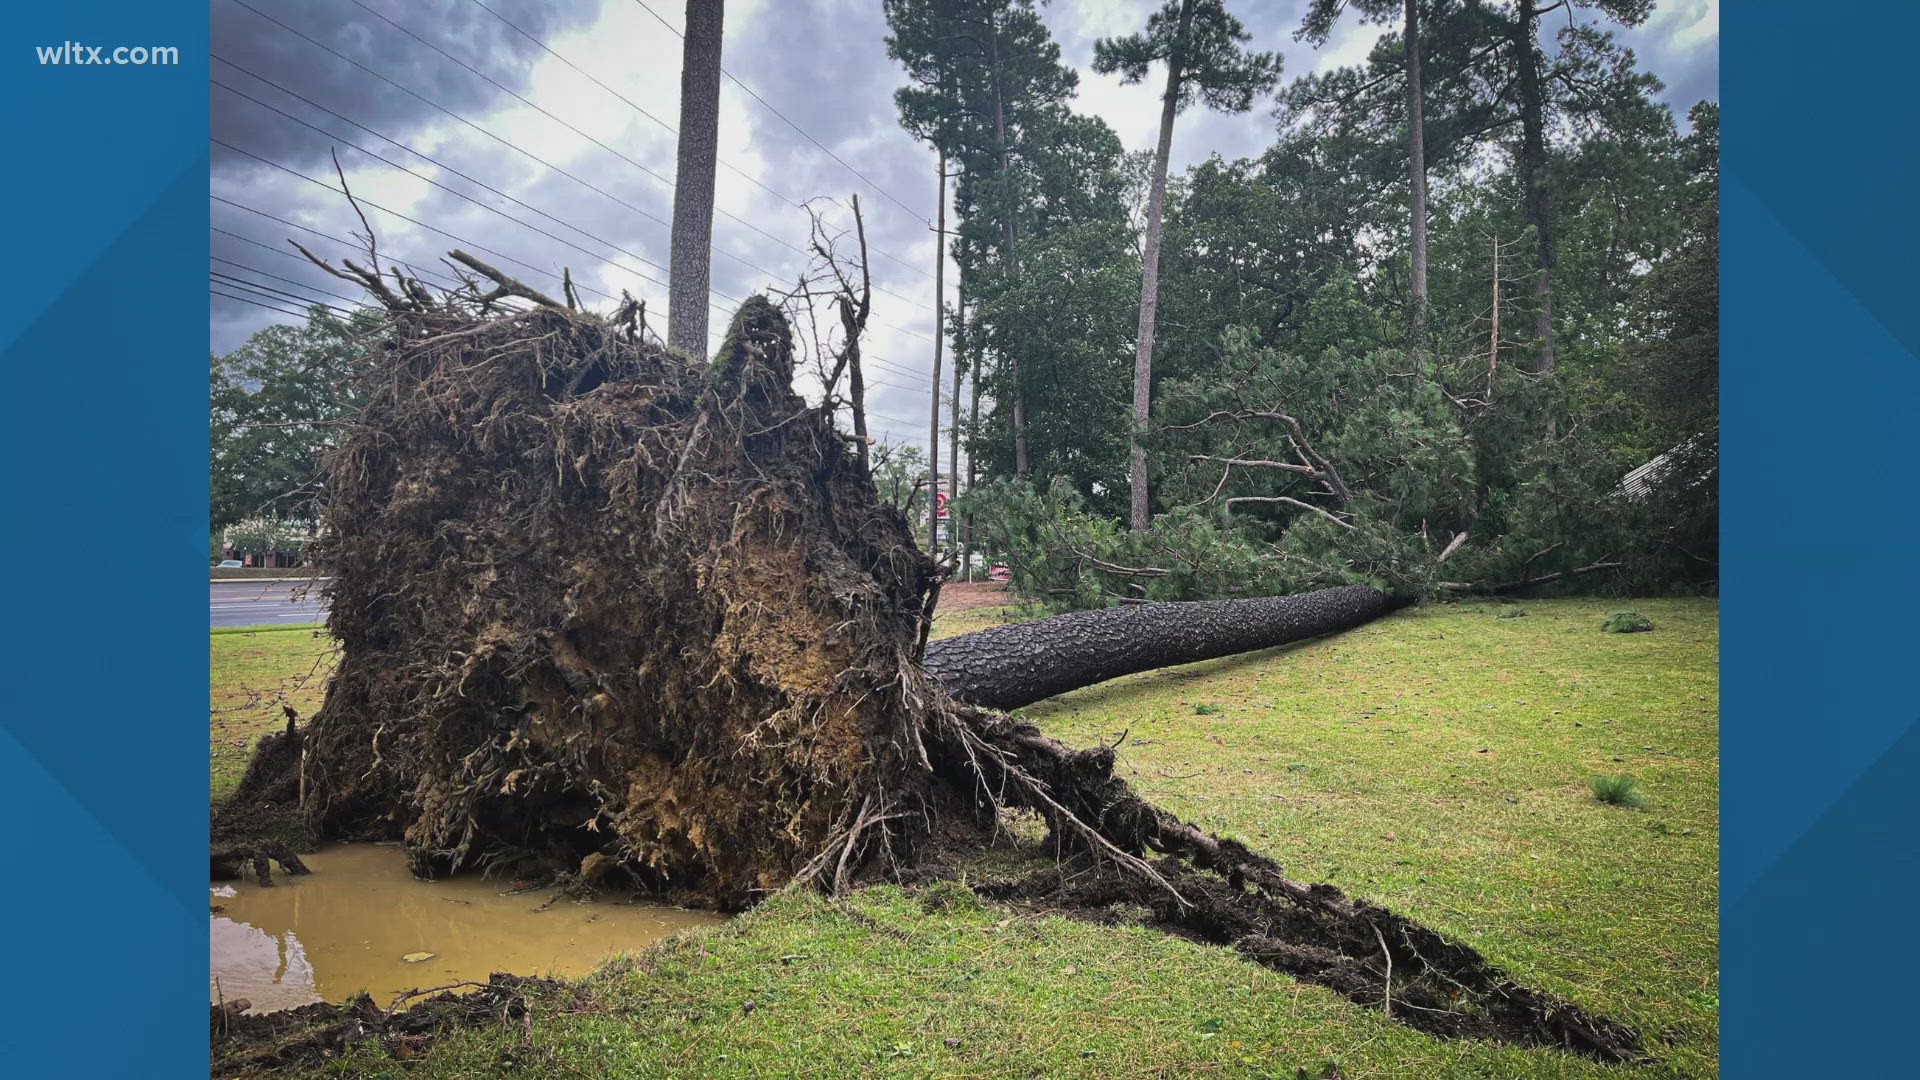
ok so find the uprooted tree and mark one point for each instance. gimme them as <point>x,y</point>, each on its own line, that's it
<point>609,610</point>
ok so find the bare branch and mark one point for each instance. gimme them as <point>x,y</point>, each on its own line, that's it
<point>368,281</point>
<point>373,241</point>
<point>504,285</point>
<point>1305,470</point>
<point>1230,503</point>
<point>1114,568</point>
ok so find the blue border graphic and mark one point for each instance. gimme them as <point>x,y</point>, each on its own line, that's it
<point>1820,365</point>
<point>101,328</point>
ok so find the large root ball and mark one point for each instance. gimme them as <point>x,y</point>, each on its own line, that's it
<point>598,601</point>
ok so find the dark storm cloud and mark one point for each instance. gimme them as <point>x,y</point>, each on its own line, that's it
<point>827,71</point>
<point>823,65</point>
<point>825,68</point>
<point>262,70</point>
<point>252,40</point>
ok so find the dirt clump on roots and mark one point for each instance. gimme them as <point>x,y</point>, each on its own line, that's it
<point>637,621</point>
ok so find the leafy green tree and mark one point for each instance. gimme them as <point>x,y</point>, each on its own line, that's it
<point>1072,320</point>
<point>272,403</point>
<point>1317,27</point>
<point>1066,310</point>
<point>269,535</point>
<point>984,74</point>
<point>1201,46</point>
<point>1295,442</point>
<point>901,476</point>
<point>1675,369</point>
<point>1488,84</point>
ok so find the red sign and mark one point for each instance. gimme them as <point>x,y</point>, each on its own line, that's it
<point>940,505</point>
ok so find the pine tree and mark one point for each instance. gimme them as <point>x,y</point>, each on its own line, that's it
<point>1201,46</point>
<point>691,258</point>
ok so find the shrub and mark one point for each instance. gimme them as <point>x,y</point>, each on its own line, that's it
<point>1626,622</point>
<point>1619,790</point>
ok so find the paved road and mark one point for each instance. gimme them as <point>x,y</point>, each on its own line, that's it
<point>262,603</point>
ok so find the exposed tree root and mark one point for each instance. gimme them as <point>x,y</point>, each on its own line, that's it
<point>307,1037</point>
<point>225,863</point>
<point>1217,890</point>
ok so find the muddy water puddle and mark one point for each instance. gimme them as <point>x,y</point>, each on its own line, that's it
<point>360,921</point>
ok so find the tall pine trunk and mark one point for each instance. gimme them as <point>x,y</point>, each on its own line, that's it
<point>1150,280</point>
<point>1007,238</point>
<point>953,414</point>
<point>973,432</point>
<point>1533,169</point>
<point>1417,178</point>
<point>690,272</point>
<point>1007,667</point>
<point>939,336</point>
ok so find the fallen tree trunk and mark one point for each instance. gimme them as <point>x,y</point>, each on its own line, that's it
<point>605,610</point>
<point>1010,666</point>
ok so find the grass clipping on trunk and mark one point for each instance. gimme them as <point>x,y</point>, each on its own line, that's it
<point>608,612</point>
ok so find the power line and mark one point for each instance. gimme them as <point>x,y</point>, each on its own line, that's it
<point>279,295</point>
<point>917,216</point>
<point>517,97</point>
<point>289,281</point>
<point>880,361</point>
<point>750,178</point>
<point>504,142</point>
<point>415,270</point>
<point>462,195</point>
<point>403,217</point>
<point>233,280</point>
<point>256,303</point>
<point>712,333</point>
<point>426,157</point>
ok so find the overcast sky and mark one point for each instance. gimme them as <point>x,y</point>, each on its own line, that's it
<point>566,128</point>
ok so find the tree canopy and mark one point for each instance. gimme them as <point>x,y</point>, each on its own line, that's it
<point>272,402</point>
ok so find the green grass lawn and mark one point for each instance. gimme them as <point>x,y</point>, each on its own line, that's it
<point>252,674</point>
<point>1437,761</point>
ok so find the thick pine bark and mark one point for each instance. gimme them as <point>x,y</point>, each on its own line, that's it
<point>1008,236</point>
<point>953,414</point>
<point>691,257</point>
<point>1533,170</point>
<point>1139,503</point>
<point>1417,178</point>
<point>939,336</point>
<point>1010,666</point>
